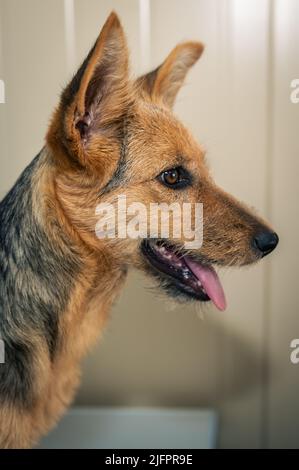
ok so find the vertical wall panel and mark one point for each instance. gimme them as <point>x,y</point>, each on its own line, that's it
<point>284,319</point>
<point>225,102</point>
<point>3,128</point>
<point>34,73</point>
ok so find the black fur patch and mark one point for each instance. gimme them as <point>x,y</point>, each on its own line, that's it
<point>119,177</point>
<point>72,89</point>
<point>36,278</point>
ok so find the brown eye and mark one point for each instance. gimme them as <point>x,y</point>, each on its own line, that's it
<point>175,178</point>
<point>171,177</point>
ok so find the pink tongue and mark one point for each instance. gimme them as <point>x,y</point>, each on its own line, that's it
<point>210,282</point>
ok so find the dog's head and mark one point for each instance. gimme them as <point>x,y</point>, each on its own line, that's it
<point>120,153</point>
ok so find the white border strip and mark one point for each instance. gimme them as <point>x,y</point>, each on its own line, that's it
<point>69,30</point>
<point>145,35</point>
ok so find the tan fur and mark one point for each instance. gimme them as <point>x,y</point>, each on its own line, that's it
<point>77,166</point>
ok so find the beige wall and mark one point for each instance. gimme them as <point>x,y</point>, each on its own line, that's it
<point>237,103</point>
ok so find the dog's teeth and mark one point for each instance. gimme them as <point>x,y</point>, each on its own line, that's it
<point>173,259</point>
<point>186,273</point>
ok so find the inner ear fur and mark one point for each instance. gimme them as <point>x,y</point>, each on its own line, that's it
<point>164,83</point>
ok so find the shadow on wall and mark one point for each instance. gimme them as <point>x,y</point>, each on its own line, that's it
<point>123,369</point>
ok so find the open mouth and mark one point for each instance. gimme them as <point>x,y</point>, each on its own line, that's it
<point>184,273</point>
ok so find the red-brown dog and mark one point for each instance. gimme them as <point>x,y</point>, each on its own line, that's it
<point>109,136</point>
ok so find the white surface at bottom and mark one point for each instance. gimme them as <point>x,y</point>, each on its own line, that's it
<point>134,428</point>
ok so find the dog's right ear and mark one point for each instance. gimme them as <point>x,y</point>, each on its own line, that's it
<point>87,123</point>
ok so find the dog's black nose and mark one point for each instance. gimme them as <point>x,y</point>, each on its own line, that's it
<point>265,241</point>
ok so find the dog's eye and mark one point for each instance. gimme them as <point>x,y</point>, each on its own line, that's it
<point>175,178</point>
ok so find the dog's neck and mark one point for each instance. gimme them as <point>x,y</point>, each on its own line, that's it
<point>71,213</point>
<point>48,265</point>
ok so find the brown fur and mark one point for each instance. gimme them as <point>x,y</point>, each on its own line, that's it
<point>84,148</point>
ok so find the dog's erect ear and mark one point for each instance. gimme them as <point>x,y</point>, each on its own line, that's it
<point>92,107</point>
<point>165,82</point>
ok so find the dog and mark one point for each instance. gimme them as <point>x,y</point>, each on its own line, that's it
<point>109,135</point>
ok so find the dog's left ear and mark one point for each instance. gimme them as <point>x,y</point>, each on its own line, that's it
<point>164,83</point>
<point>88,121</point>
